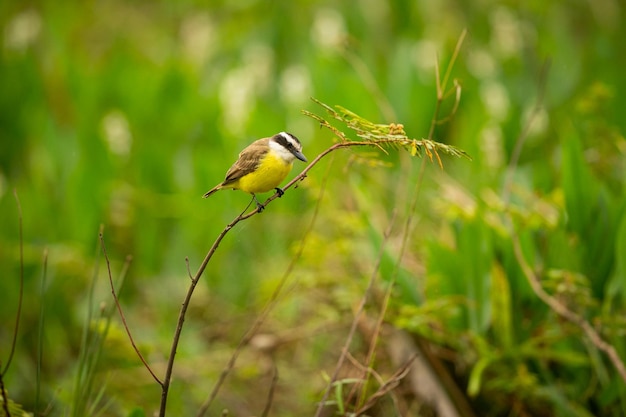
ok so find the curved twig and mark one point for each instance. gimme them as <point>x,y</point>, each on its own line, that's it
<point>119,310</point>
<point>20,297</point>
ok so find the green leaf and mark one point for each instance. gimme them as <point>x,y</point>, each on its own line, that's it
<point>578,184</point>
<point>617,284</point>
<point>137,412</point>
<point>501,305</point>
<point>475,380</point>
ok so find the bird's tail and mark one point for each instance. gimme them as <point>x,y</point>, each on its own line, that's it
<point>212,190</point>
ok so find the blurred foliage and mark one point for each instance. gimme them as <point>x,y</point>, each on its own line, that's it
<point>125,113</point>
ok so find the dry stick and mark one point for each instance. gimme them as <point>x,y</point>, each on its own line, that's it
<point>366,370</point>
<point>357,316</point>
<point>183,310</point>
<point>270,394</point>
<point>20,298</point>
<point>388,386</point>
<point>266,310</point>
<point>119,310</point>
<point>5,400</point>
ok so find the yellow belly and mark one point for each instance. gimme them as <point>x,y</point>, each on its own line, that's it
<point>268,176</point>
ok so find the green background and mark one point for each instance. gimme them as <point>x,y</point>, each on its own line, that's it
<point>123,114</point>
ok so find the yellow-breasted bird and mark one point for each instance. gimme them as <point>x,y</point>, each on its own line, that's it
<point>262,166</point>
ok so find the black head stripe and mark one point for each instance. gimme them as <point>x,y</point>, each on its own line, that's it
<point>281,138</point>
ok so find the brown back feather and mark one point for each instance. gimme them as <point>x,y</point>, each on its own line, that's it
<point>248,160</point>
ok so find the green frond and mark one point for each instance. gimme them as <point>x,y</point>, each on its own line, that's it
<point>382,135</point>
<point>15,409</point>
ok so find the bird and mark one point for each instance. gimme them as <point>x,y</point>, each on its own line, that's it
<point>262,166</point>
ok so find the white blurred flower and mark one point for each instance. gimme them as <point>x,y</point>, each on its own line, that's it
<point>197,36</point>
<point>116,132</point>
<point>295,84</point>
<point>539,123</point>
<point>481,63</point>
<point>242,85</point>
<point>491,146</point>
<point>496,99</point>
<point>22,31</point>
<point>329,29</point>
<point>507,35</point>
<point>425,55</point>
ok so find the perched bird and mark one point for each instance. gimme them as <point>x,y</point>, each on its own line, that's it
<point>262,166</point>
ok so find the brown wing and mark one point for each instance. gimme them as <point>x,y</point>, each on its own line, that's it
<point>248,161</point>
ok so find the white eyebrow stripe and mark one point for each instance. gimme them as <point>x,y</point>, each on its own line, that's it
<point>289,138</point>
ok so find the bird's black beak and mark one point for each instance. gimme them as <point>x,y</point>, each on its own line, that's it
<point>299,155</point>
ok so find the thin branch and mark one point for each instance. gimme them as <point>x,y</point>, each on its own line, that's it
<point>20,297</point>
<point>183,309</point>
<point>442,85</point>
<point>188,268</point>
<point>365,370</point>
<point>5,399</point>
<point>119,309</point>
<point>388,386</point>
<point>355,321</point>
<point>455,55</point>
<point>270,394</point>
<point>457,100</point>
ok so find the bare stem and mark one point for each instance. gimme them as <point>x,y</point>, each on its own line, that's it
<point>183,309</point>
<point>119,309</point>
<point>20,297</point>
<point>270,394</point>
<point>5,399</point>
<point>442,85</point>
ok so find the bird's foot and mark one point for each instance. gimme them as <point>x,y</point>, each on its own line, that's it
<point>259,206</point>
<point>279,191</point>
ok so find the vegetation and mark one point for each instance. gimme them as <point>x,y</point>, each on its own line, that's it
<point>396,276</point>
